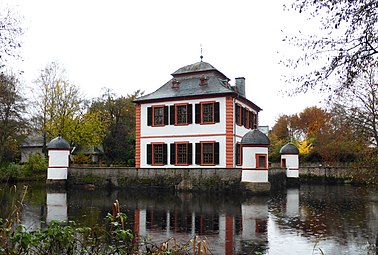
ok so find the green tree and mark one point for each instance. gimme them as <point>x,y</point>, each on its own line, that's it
<point>348,46</point>
<point>119,112</point>
<point>13,125</point>
<point>61,109</point>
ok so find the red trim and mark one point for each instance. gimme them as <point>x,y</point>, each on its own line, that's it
<point>202,144</point>
<point>254,122</point>
<point>283,162</point>
<point>229,132</point>
<point>257,161</point>
<point>153,154</point>
<point>136,222</point>
<point>175,84</point>
<point>240,115</point>
<point>178,136</point>
<point>240,154</point>
<point>257,169</point>
<point>137,135</point>
<point>207,103</point>
<point>186,98</point>
<point>203,81</point>
<point>229,235</point>
<point>187,154</point>
<point>153,116</point>
<point>176,115</point>
<point>247,118</point>
<point>256,145</point>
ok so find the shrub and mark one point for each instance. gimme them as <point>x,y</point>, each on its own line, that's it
<point>81,158</point>
<point>10,171</point>
<point>36,163</point>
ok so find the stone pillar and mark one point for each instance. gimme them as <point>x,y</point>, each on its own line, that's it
<point>255,162</point>
<point>290,161</point>
<point>58,152</point>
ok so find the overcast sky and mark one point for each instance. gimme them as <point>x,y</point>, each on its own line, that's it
<point>129,45</point>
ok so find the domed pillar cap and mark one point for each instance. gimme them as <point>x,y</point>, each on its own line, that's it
<point>255,137</point>
<point>58,143</point>
<point>289,148</point>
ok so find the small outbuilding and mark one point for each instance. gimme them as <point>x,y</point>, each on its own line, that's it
<point>290,160</point>
<point>33,144</point>
<point>255,159</point>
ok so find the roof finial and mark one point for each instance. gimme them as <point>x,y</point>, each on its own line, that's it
<point>201,57</point>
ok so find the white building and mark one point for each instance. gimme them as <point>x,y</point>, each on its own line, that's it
<point>196,119</point>
<point>290,160</point>
<point>59,152</point>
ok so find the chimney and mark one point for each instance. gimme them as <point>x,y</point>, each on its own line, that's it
<point>240,85</point>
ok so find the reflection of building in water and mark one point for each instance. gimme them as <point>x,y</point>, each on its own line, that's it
<point>56,207</point>
<point>254,225</point>
<point>292,202</point>
<point>228,230</point>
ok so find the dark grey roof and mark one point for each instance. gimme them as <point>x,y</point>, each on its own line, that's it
<point>189,86</point>
<point>196,67</point>
<point>34,140</point>
<point>289,148</point>
<point>58,143</point>
<point>189,79</point>
<point>255,137</point>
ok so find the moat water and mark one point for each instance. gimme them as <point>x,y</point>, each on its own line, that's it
<point>305,220</point>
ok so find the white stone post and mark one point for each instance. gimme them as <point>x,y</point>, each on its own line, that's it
<point>255,161</point>
<point>290,160</point>
<point>58,152</point>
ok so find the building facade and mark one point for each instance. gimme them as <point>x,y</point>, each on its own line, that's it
<point>196,119</point>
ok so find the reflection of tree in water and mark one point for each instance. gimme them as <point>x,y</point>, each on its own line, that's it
<point>328,211</point>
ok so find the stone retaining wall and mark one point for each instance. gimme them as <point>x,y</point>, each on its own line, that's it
<point>197,179</point>
<point>181,179</point>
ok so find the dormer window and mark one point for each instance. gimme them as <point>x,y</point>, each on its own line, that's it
<point>175,84</point>
<point>203,81</point>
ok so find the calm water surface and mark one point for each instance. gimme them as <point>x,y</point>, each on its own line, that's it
<point>306,220</point>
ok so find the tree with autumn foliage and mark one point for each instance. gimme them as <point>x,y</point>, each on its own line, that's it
<point>279,136</point>
<point>61,109</point>
<point>320,135</point>
<point>119,112</point>
<point>301,129</point>
<point>339,141</point>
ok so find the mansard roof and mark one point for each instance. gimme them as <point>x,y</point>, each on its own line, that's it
<point>188,84</point>
<point>199,67</point>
